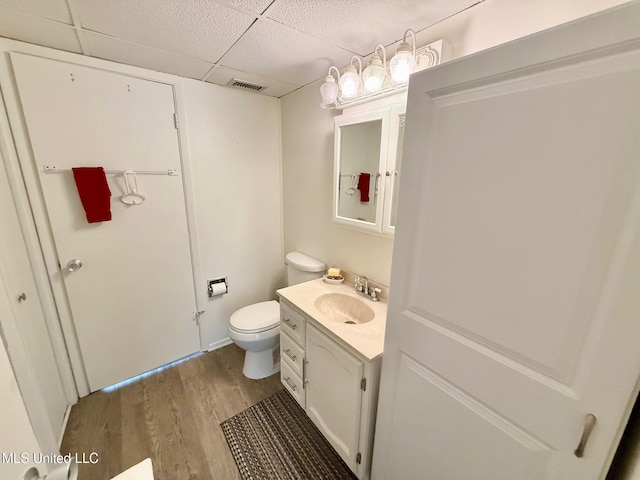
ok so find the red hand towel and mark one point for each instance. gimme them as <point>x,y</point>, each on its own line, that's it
<point>94,193</point>
<point>363,185</point>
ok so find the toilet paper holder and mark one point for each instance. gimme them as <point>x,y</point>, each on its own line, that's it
<point>214,286</point>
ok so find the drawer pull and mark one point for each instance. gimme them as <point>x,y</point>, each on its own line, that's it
<point>291,385</point>
<point>290,324</point>
<point>304,373</point>
<point>289,354</point>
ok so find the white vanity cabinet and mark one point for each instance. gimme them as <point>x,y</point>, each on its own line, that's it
<point>335,385</point>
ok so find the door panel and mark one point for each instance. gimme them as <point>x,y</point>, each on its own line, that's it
<point>510,315</point>
<point>485,442</point>
<point>132,301</point>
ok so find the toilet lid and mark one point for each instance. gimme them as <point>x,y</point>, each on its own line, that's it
<point>257,317</point>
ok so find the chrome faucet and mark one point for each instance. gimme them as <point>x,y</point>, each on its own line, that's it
<point>362,287</point>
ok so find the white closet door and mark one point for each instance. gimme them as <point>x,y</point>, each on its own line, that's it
<point>514,310</point>
<point>132,301</point>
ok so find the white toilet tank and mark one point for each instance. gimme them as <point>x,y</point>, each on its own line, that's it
<point>302,268</point>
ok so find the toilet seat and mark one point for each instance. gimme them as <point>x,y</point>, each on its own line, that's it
<point>255,318</point>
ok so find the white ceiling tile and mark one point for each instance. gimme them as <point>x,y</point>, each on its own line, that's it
<point>52,9</point>
<point>30,29</point>
<point>275,88</point>
<point>110,48</point>
<point>257,6</point>
<point>275,51</point>
<point>360,25</point>
<point>194,28</point>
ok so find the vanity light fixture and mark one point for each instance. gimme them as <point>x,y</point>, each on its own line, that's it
<point>350,81</point>
<point>375,73</point>
<point>348,89</point>
<point>404,61</point>
<point>329,89</point>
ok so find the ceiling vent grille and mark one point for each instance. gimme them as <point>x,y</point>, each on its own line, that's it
<point>244,85</point>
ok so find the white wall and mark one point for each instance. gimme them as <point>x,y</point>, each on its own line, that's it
<point>307,131</point>
<point>307,162</point>
<point>234,144</point>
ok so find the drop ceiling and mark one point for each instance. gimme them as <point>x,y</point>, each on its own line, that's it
<point>281,44</point>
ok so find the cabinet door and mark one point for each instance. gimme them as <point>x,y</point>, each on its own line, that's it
<point>361,141</point>
<point>391,174</point>
<point>333,393</point>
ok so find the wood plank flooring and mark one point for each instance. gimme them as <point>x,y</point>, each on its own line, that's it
<point>172,416</point>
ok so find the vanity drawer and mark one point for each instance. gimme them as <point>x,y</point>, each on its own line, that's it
<point>292,353</point>
<point>292,323</point>
<point>293,383</point>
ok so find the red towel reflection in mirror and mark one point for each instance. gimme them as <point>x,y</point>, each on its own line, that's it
<point>363,185</point>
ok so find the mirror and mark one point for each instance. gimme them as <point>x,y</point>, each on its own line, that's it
<point>359,154</point>
<point>367,156</point>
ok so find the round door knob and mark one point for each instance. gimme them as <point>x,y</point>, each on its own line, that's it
<point>74,265</point>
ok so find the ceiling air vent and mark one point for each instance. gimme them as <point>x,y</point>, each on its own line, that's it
<point>244,85</point>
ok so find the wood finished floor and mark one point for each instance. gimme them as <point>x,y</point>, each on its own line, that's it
<point>173,417</point>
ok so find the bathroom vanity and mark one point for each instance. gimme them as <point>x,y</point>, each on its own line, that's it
<point>331,343</point>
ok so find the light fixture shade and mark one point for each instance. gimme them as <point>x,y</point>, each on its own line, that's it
<point>402,64</point>
<point>329,91</point>
<point>373,76</point>
<point>349,83</point>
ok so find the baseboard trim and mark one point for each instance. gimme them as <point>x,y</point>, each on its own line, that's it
<point>219,344</point>
<point>65,420</point>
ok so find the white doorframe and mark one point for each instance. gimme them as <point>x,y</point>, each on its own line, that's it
<point>23,178</point>
<point>33,395</point>
<point>21,202</point>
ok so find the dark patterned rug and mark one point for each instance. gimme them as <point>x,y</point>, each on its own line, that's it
<point>275,440</point>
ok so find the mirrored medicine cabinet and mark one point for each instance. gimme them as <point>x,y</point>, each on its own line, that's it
<point>367,164</point>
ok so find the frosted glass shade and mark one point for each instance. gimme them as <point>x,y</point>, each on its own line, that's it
<point>349,85</point>
<point>373,77</point>
<point>329,91</point>
<point>401,66</point>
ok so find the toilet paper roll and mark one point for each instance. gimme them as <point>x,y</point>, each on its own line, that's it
<point>218,289</point>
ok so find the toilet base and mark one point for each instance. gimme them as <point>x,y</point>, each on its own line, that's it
<point>263,364</point>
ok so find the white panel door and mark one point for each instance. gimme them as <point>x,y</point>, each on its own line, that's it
<point>132,301</point>
<point>514,294</point>
<point>334,396</point>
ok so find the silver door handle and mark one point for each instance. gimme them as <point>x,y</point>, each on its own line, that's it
<point>74,265</point>
<point>289,354</point>
<point>589,423</point>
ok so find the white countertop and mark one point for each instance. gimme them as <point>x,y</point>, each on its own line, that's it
<point>366,338</point>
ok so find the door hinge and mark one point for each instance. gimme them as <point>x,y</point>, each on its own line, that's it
<point>359,458</point>
<point>175,121</point>
<point>363,384</point>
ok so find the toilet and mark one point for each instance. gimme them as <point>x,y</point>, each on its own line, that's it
<point>256,328</point>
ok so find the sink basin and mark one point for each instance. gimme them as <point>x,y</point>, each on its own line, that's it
<point>344,308</point>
